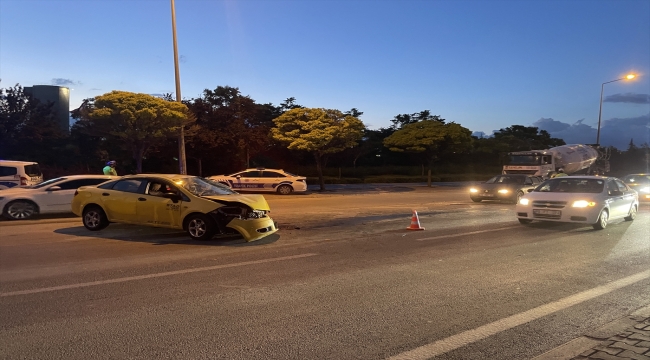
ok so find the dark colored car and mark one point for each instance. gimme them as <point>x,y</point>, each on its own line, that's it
<point>509,187</point>
<point>640,183</point>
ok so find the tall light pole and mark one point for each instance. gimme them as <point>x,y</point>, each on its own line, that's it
<point>600,111</point>
<point>182,164</point>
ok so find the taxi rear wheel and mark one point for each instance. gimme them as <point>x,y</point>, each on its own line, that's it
<point>285,190</point>
<point>94,218</point>
<point>201,227</point>
<point>601,223</point>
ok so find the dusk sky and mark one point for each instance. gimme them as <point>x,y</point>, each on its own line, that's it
<point>485,64</point>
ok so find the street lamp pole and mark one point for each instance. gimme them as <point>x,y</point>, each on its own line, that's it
<point>600,110</point>
<point>182,164</point>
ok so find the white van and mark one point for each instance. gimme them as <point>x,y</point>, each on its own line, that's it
<point>19,173</point>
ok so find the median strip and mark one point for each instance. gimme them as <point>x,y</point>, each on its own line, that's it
<point>151,276</point>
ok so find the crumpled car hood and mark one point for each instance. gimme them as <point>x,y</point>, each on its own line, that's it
<point>256,202</point>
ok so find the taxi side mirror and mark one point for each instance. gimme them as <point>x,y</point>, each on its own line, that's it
<point>173,197</point>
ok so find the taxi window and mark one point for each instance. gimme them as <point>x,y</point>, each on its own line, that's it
<point>129,185</point>
<point>160,188</point>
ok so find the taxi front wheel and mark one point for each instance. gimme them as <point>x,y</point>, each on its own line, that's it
<point>201,227</point>
<point>94,218</point>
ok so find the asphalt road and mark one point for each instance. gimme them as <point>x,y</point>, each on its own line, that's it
<point>342,279</point>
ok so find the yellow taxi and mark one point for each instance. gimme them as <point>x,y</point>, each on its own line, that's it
<point>200,206</point>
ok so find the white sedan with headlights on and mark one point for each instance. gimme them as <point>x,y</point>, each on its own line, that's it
<point>592,200</point>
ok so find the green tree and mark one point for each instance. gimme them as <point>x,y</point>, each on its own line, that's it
<point>137,122</point>
<point>431,138</point>
<point>318,131</point>
<point>521,138</point>
<point>231,124</point>
<point>401,120</point>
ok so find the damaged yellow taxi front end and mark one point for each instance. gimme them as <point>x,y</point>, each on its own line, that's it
<point>197,205</point>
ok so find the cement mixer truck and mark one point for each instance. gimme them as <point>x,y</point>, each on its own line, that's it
<point>573,159</point>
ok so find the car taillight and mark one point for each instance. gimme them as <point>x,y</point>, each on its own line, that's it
<point>23,180</point>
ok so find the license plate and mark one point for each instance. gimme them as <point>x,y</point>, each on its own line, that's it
<point>488,195</point>
<point>547,212</point>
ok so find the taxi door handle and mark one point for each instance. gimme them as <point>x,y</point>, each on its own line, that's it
<point>105,194</point>
<point>142,199</point>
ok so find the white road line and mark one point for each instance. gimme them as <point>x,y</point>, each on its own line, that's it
<point>467,337</point>
<point>468,233</point>
<point>150,276</point>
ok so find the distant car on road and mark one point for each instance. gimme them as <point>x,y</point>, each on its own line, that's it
<point>51,196</point>
<point>199,206</point>
<point>592,200</point>
<point>266,180</point>
<point>510,187</point>
<point>640,183</point>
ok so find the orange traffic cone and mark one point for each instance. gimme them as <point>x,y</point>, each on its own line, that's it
<point>415,222</point>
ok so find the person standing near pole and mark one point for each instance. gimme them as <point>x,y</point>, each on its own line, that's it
<point>109,169</point>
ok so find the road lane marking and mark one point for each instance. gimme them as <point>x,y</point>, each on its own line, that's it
<point>151,276</point>
<point>468,233</point>
<point>470,336</point>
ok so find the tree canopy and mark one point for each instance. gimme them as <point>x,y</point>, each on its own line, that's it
<point>318,131</point>
<point>521,138</point>
<point>432,138</point>
<point>135,121</point>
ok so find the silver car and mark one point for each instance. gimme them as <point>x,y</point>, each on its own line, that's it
<point>592,200</point>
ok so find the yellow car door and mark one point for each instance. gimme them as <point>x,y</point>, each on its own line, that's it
<point>160,205</point>
<point>120,201</point>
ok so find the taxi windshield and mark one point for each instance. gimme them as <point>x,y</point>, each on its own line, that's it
<point>202,187</point>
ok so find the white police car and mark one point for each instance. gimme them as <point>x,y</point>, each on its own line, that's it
<point>19,174</point>
<point>261,179</point>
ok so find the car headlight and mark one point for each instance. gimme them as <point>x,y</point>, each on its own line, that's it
<point>583,203</point>
<point>503,191</point>
<point>472,190</point>
<point>523,201</point>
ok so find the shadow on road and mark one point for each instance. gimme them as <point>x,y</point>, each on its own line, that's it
<point>158,236</point>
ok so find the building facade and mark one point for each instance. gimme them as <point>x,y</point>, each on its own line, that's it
<point>59,96</point>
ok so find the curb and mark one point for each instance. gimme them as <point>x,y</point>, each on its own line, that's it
<point>595,337</point>
<point>39,221</point>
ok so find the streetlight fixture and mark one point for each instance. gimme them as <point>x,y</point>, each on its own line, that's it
<point>182,164</point>
<point>600,111</point>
